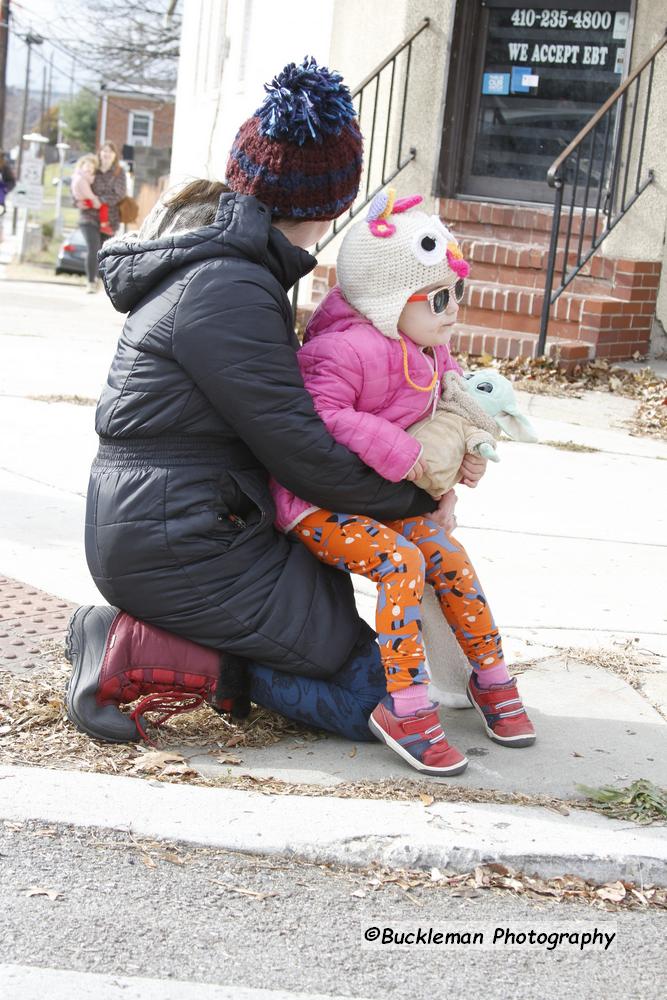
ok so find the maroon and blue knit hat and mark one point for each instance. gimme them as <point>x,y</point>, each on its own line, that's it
<point>301,152</point>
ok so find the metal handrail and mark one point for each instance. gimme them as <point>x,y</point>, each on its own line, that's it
<point>369,88</point>
<point>607,183</point>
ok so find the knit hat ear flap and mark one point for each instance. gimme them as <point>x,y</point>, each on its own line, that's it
<point>301,152</point>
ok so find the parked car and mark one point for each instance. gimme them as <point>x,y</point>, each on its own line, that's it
<point>72,254</point>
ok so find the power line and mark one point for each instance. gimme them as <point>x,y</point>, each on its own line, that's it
<point>74,54</point>
<point>81,86</point>
<point>4,43</point>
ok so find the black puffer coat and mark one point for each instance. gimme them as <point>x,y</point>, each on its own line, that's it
<point>204,395</point>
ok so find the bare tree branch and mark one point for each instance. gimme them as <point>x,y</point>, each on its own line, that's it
<point>131,46</point>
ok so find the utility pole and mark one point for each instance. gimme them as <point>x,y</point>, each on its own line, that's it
<point>43,104</point>
<point>4,41</point>
<point>62,148</point>
<point>30,40</point>
<point>50,83</point>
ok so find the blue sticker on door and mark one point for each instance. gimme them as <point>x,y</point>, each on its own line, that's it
<point>496,83</point>
<point>523,80</point>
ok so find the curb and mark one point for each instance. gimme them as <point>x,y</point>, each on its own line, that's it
<point>356,832</point>
<point>34,983</point>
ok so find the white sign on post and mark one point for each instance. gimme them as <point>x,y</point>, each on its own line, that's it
<point>28,196</point>
<point>31,172</point>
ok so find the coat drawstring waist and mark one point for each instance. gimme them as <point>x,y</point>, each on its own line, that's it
<point>172,450</point>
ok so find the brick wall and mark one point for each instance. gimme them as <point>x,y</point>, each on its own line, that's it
<point>622,326</point>
<point>324,278</point>
<point>118,114</point>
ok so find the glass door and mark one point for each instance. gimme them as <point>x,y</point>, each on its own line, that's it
<point>541,73</point>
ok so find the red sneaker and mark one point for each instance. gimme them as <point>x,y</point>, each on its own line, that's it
<point>502,713</point>
<point>418,739</point>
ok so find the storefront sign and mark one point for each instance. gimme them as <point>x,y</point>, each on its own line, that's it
<point>586,39</point>
<point>587,55</point>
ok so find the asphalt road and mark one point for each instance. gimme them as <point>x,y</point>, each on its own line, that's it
<point>132,910</point>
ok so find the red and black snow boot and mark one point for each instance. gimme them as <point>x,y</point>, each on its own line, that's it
<point>118,659</point>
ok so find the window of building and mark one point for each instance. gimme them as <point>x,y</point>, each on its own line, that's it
<point>140,128</point>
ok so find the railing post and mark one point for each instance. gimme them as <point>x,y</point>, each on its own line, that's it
<point>551,265</point>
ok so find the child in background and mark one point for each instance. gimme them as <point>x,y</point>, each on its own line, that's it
<point>83,194</point>
<point>373,359</point>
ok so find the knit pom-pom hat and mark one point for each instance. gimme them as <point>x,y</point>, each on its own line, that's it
<point>301,152</point>
<point>392,253</point>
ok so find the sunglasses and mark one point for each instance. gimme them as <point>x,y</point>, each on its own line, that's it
<point>438,299</point>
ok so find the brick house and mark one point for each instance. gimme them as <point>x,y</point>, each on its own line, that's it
<point>141,125</point>
<point>133,118</point>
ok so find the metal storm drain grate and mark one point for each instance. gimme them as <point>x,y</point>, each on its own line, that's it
<point>27,618</point>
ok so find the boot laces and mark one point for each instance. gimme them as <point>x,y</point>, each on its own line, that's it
<point>170,703</point>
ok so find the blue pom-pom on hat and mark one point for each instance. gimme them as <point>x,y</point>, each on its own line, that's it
<point>301,152</point>
<point>304,103</point>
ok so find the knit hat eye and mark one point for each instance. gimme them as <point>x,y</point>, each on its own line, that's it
<point>429,247</point>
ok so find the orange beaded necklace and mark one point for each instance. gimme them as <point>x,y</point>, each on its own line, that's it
<point>406,372</point>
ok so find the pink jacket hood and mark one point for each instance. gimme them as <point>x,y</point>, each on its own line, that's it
<point>334,315</point>
<point>356,378</point>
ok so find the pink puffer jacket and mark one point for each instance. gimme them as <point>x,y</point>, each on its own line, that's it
<point>355,376</point>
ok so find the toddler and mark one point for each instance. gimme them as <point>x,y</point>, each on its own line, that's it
<point>83,194</point>
<point>373,359</point>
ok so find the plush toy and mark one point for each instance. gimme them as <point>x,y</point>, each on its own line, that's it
<point>471,414</point>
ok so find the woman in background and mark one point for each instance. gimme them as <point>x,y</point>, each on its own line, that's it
<point>109,185</point>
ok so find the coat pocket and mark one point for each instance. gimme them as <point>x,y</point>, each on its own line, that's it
<point>247,506</point>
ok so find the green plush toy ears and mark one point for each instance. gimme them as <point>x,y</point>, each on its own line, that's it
<point>494,393</point>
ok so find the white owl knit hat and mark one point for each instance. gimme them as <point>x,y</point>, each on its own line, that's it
<point>392,253</point>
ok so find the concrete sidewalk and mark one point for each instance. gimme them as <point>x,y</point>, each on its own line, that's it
<point>570,548</point>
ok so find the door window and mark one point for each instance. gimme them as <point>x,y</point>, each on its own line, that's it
<point>543,73</point>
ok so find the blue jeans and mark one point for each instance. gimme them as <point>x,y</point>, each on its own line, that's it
<point>341,704</point>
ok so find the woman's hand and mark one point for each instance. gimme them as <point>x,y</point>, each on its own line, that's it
<point>419,469</point>
<point>444,514</point>
<point>472,469</point>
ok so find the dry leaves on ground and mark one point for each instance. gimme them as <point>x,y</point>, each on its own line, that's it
<point>34,729</point>
<point>614,896</point>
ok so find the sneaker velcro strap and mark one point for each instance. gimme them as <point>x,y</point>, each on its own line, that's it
<point>420,724</point>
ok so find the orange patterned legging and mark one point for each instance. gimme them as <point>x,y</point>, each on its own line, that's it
<point>400,556</point>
